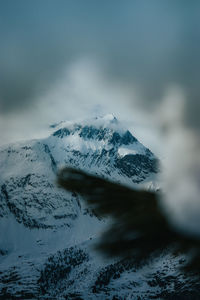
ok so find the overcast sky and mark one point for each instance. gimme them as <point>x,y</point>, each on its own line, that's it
<point>67,59</point>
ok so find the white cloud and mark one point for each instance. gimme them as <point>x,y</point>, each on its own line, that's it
<point>81,91</point>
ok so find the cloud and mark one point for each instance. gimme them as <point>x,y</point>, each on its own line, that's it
<point>181,177</point>
<point>146,46</point>
<point>81,91</point>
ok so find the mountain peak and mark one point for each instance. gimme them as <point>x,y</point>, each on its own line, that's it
<point>104,142</point>
<point>97,121</point>
<point>107,118</point>
<point>100,127</point>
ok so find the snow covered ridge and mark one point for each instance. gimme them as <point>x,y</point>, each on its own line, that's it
<point>106,128</point>
<point>104,142</point>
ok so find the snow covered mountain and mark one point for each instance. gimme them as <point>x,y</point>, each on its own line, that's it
<point>28,169</point>
<point>47,234</point>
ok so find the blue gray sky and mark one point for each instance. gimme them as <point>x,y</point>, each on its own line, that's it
<point>136,48</point>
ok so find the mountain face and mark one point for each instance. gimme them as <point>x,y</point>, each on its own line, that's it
<point>105,149</point>
<point>47,234</point>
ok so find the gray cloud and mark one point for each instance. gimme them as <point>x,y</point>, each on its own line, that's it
<point>145,45</point>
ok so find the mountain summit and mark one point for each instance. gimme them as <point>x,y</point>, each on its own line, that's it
<point>101,145</point>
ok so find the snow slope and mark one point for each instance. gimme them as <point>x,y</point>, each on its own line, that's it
<point>47,234</point>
